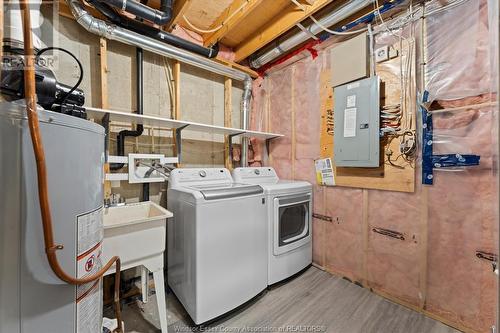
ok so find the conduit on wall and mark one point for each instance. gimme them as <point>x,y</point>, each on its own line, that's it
<point>113,32</point>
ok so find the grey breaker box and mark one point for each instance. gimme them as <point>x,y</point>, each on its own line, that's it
<point>356,127</point>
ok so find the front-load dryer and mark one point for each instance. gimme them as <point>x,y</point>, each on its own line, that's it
<point>216,241</point>
<point>289,219</point>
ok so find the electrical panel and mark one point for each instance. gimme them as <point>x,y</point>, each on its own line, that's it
<point>350,60</point>
<point>357,124</point>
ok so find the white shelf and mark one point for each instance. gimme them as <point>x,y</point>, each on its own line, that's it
<point>155,121</point>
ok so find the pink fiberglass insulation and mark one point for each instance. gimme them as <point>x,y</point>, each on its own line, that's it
<point>466,132</point>
<point>306,103</point>
<point>344,236</point>
<point>393,265</point>
<point>458,48</point>
<point>462,220</point>
<point>280,105</point>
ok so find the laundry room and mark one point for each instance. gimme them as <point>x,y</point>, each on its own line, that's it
<point>249,166</point>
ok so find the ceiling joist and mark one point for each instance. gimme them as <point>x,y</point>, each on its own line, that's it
<point>229,19</point>
<point>180,8</point>
<point>284,22</point>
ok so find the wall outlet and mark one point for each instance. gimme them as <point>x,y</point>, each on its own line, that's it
<point>382,54</point>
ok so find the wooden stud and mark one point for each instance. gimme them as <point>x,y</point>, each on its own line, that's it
<point>228,109</point>
<point>424,230</point>
<point>242,68</point>
<point>180,8</point>
<point>103,57</point>
<point>177,90</point>
<point>283,22</point>
<point>103,53</point>
<point>424,209</point>
<point>366,237</point>
<point>228,24</point>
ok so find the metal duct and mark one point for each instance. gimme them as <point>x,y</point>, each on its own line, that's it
<point>113,32</point>
<point>335,17</point>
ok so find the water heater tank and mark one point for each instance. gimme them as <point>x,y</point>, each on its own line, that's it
<point>32,298</point>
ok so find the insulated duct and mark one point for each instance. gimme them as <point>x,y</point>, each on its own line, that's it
<point>350,8</point>
<point>113,32</point>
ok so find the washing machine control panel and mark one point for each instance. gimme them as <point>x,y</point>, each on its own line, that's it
<point>189,176</point>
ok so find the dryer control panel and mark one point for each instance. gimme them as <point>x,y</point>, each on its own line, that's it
<point>255,174</point>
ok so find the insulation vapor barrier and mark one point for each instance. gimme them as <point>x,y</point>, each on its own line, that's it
<point>417,248</point>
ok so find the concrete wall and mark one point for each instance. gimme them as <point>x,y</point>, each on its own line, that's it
<point>202,98</point>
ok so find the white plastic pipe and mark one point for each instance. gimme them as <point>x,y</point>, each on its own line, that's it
<point>335,17</point>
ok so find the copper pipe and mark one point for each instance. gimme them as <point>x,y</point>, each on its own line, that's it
<point>36,139</point>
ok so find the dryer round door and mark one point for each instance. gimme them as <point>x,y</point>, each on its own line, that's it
<point>292,222</point>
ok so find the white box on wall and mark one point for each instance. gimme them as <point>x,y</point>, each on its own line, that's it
<point>350,60</point>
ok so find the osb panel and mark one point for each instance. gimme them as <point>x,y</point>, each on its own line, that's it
<point>203,13</point>
<point>385,177</point>
<point>263,14</point>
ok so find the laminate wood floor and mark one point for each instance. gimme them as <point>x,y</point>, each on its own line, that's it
<point>312,302</point>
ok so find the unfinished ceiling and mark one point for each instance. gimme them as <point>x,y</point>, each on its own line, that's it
<point>243,25</point>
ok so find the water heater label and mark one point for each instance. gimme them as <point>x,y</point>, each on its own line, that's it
<point>90,233</point>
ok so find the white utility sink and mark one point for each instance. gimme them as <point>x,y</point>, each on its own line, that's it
<point>137,234</point>
<point>134,232</point>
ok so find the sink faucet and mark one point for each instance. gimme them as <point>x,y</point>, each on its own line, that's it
<point>114,201</point>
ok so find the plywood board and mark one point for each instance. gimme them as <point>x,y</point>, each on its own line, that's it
<point>385,177</point>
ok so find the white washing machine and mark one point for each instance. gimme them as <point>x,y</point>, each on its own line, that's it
<point>289,213</point>
<point>216,241</point>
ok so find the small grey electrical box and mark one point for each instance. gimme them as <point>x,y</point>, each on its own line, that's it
<point>356,127</point>
<point>350,60</point>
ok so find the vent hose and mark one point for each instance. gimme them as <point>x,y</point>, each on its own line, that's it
<point>31,109</point>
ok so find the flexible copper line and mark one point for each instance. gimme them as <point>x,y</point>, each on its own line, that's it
<point>36,139</point>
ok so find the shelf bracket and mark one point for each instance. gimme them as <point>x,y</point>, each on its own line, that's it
<point>230,145</point>
<point>178,141</point>
<point>105,124</point>
<point>268,144</point>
